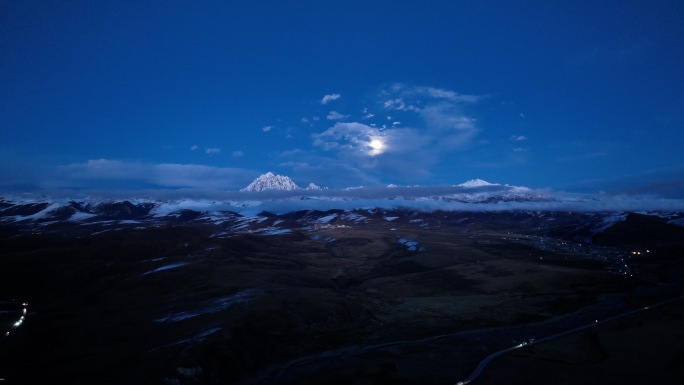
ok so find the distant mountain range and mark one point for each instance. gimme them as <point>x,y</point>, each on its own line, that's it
<point>271,181</point>
<point>280,194</point>
<point>250,217</point>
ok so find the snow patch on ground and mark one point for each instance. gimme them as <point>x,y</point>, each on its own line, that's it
<point>326,219</point>
<point>272,231</point>
<point>205,334</point>
<point>411,245</point>
<point>608,221</point>
<point>167,208</point>
<point>353,217</point>
<point>212,306</point>
<point>217,217</point>
<point>319,238</point>
<point>39,215</point>
<point>167,267</point>
<point>81,216</point>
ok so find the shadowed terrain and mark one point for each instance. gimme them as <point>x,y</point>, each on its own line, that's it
<point>363,297</point>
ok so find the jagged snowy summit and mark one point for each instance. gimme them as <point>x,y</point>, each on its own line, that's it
<point>270,181</point>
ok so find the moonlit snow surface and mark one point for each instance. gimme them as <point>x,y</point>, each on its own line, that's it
<point>490,197</point>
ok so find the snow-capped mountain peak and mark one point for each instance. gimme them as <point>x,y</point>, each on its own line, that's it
<point>270,181</point>
<point>476,183</point>
<point>313,186</point>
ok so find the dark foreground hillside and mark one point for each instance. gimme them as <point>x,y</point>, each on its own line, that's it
<point>372,297</point>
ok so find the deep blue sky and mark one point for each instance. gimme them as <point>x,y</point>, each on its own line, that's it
<point>571,95</point>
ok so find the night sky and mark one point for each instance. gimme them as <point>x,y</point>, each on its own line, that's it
<point>583,96</point>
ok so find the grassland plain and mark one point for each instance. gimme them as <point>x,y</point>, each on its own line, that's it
<point>404,301</point>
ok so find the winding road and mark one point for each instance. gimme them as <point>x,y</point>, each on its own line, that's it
<point>15,324</point>
<point>19,321</point>
<point>492,356</point>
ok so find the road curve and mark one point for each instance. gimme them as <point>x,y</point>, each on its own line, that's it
<point>486,361</point>
<point>19,321</point>
<point>492,356</point>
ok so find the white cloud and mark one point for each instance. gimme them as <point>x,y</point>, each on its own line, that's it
<point>329,98</point>
<point>293,152</point>
<point>412,95</point>
<point>395,104</point>
<point>212,150</point>
<point>266,128</point>
<point>330,172</point>
<point>395,152</point>
<point>350,136</point>
<point>117,174</point>
<point>445,122</point>
<point>664,182</point>
<point>334,115</point>
<point>439,93</point>
<point>238,154</point>
<point>194,147</point>
<point>367,114</point>
<point>518,138</point>
<point>437,127</point>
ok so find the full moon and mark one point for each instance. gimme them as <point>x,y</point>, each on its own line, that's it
<point>376,145</point>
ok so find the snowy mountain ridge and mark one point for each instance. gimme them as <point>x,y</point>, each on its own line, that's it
<point>280,194</point>
<point>270,181</point>
<point>477,183</point>
<point>294,214</point>
<point>43,210</point>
